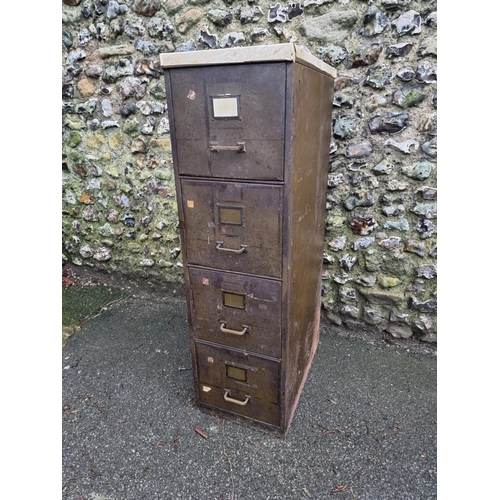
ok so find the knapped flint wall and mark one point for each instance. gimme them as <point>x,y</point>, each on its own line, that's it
<point>118,196</point>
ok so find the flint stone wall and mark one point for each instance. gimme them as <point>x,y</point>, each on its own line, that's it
<point>118,193</point>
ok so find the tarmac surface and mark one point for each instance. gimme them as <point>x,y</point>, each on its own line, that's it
<point>365,427</point>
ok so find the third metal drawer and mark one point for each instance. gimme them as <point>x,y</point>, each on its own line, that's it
<point>236,310</point>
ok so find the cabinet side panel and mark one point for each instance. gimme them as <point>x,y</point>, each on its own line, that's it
<point>178,191</point>
<point>182,226</point>
<point>306,188</point>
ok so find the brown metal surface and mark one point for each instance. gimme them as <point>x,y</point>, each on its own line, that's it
<point>260,125</point>
<point>260,386</point>
<point>250,146</point>
<point>253,247</point>
<point>305,222</point>
<point>261,311</point>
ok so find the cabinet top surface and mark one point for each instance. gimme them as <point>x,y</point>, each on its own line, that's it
<point>253,54</point>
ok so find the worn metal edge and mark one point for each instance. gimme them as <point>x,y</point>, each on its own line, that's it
<point>238,55</point>
<point>307,59</point>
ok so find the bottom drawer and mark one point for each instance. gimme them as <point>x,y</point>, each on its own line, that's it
<point>239,382</point>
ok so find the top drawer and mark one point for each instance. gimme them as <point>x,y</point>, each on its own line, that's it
<point>229,120</point>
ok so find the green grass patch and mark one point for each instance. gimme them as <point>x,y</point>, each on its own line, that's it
<point>81,303</point>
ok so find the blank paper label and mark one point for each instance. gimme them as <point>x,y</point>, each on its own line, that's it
<point>225,107</point>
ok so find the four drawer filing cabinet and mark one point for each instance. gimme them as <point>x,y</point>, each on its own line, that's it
<point>250,129</point>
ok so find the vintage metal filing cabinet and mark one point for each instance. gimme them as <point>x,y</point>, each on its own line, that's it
<point>250,129</point>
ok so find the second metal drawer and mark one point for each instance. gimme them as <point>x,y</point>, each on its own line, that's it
<point>233,226</point>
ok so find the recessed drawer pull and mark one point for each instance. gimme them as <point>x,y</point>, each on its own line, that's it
<point>215,148</point>
<point>219,245</point>
<point>223,328</point>
<point>227,393</point>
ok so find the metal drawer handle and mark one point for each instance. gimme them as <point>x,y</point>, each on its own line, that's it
<point>215,148</point>
<point>227,393</point>
<point>219,246</point>
<point>223,328</point>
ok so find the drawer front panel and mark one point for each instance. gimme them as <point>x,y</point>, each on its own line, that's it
<point>236,310</point>
<point>233,227</point>
<point>216,108</point>
<point>239,382</point>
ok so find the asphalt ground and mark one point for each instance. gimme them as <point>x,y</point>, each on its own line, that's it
<point>365,426</point>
